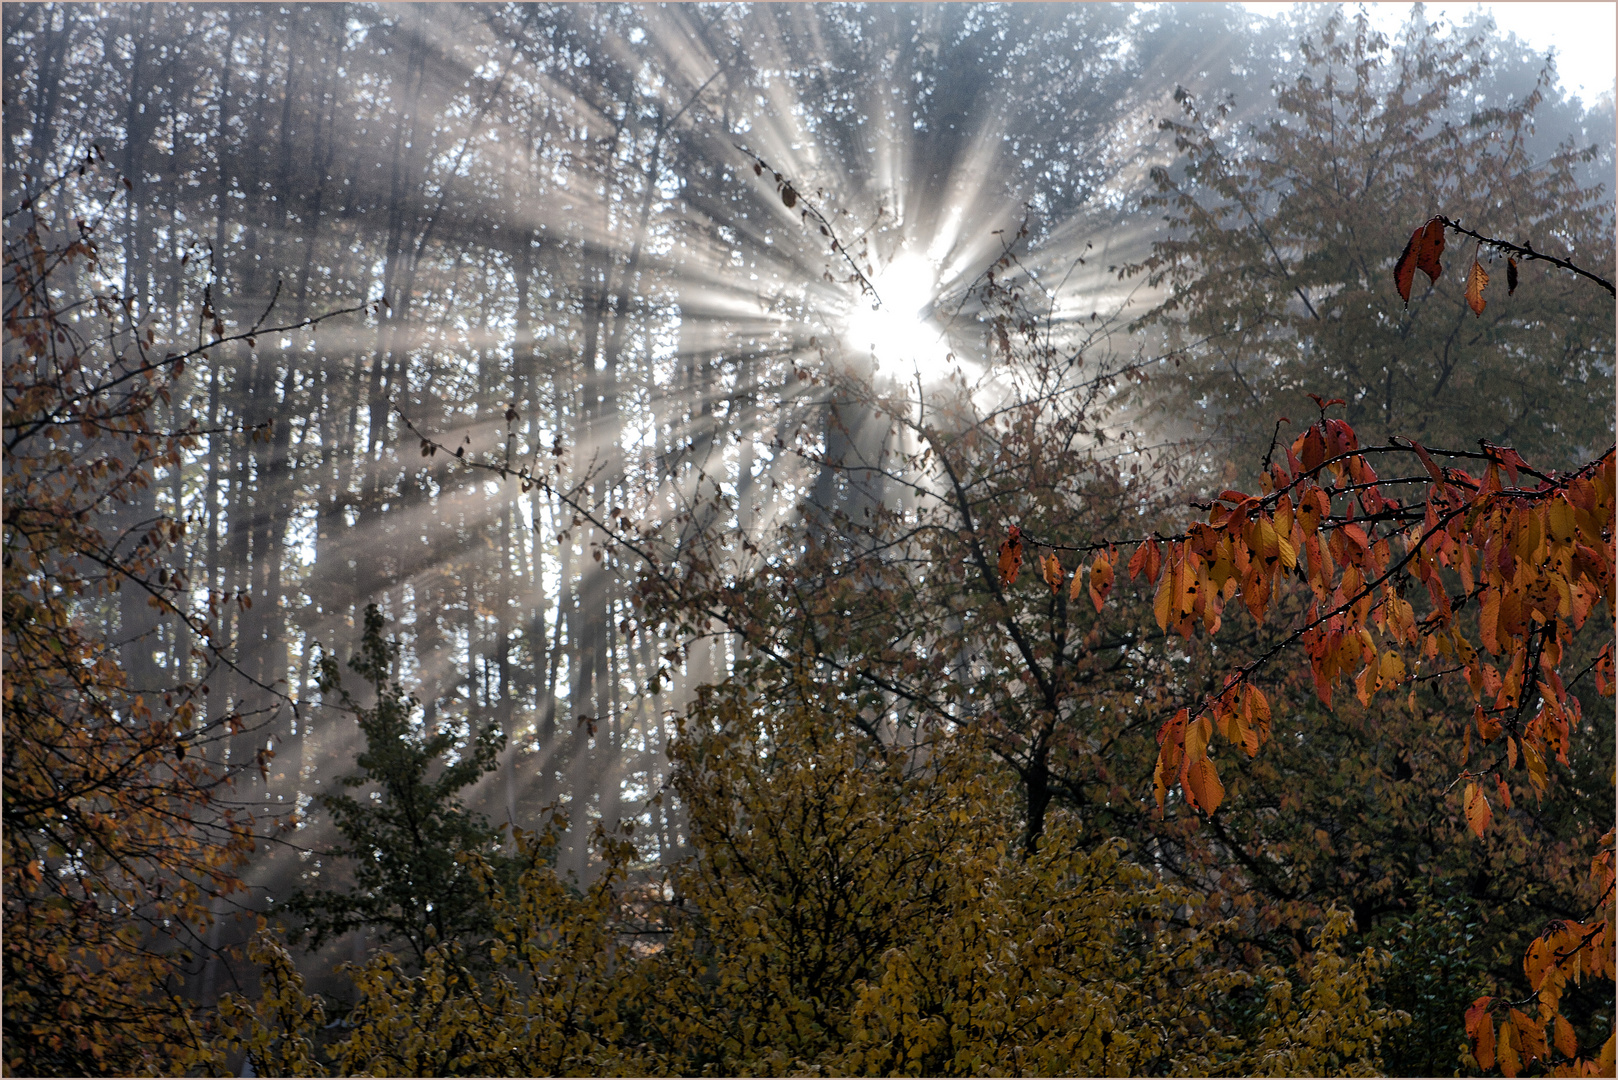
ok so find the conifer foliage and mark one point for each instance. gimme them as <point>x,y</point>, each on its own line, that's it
<point>402,839</point>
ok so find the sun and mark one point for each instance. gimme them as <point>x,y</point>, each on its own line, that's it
<point>901,335</point>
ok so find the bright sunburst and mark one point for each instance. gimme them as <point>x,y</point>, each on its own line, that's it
<point>900,332</point>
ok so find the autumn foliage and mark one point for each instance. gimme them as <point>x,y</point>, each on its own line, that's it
<point>849,909</point>
<point>116,841</point>
<point>1426,572</point>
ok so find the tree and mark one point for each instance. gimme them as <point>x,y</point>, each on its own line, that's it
<point>1281,233</point>
<point>405,841</point>
<point>118,835</point>
<point>121,835</point>
<point>851,907</point>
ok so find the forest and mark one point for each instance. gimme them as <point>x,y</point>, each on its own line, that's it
<point>804,539</point>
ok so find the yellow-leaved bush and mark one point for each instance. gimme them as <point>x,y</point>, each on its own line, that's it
<point>854,906</point>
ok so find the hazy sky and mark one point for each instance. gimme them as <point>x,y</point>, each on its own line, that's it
<point>1584,35</point>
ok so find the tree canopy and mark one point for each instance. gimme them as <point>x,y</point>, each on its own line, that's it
<point>970,538</point>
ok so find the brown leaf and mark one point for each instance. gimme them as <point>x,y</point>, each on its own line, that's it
<point>1404,271</point>
<point>1511,276</point>
<point>1476,281</point>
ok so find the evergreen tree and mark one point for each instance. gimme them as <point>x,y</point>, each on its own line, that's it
<point>404,840</point>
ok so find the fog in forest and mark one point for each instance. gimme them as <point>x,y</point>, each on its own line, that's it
<point>630,250</point>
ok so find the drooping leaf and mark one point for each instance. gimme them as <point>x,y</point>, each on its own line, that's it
<point>1202,781</point>
<point>1100,580</point>
<point>1431,249</point>
<point>1011,555</point>
<point>1511,276</point>
<point>1476,281</point>
<point>1051,567</point>
<point>1404,271</point>
<point>1478,813</point>
<point>1566,1044</point>
<point>1480,1030</point>
<point>1422,253</point>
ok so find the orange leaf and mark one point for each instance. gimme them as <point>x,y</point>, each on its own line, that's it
<point>1170,756</point>
<point>1566,1044</point>
<point>1480,1030</point>
<point>1100,580</point>
<point>1476,281</point>
<point>1505,790</point>
<point>1478,813</point>
<point>1537,960</point>
<point>1051,567</point>
<point>1011,555</point>
<point>1506,1051</point>
<point>1203,784</point>
<point>1483,1048</point>
<point>1530,1036</point>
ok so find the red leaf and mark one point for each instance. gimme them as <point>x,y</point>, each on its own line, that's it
<point>1431,249</point>
<point>1427,460</point>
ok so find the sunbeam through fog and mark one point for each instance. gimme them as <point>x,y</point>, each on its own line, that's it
<point>682,291</point>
